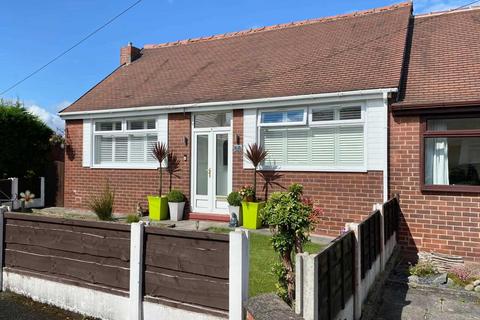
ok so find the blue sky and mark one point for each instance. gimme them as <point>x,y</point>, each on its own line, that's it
<point>33,32</point>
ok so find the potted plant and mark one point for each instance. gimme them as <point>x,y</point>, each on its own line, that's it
<point>251,207</point>
<point>176,204</point>
<point>234,200</point>
<point>158,205</point>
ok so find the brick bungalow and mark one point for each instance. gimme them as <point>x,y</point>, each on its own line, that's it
<point>338,102</point>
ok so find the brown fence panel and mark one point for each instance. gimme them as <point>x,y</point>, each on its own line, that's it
<point>335,276</point>
<point>369,241</point>
<point>391,213</point>
<point>87,253</point>
<point>185,266</point>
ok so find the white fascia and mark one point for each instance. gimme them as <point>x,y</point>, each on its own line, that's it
<point>230,105</point>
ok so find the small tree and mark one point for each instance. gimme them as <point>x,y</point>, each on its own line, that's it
<point>24,141</point>
<point>160,152</point>
<point>256,154</point>
<point>290,218</point>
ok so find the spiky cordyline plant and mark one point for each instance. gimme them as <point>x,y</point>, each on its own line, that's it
<point>160,152</point>
<point>255,153</point>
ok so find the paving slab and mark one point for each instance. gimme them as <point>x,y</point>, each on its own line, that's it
<point>401,302</point>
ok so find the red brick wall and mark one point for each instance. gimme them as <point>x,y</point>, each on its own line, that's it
<point>433,221</point>
<point>131,186</point>
<point>344,197</point>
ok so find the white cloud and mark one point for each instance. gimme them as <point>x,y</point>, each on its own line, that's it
<point>62,105</point>
<point>50,119</point>
<point>426,6</point>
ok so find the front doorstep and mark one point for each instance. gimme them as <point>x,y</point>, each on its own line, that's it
<point>209,216</point>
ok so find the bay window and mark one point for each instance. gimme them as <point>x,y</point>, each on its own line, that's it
<point>451,154</point>
<point>322,138</point>
<point>125,142</point>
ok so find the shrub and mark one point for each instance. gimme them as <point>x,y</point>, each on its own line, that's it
<point>131,218</point>
<point>290,219</point>
<point>102,205</point>
<point>160,152</point>
<point>175,196</point>
<point>462,275</point>
<point>234,199</point>
<point>422,269</point>
<point>247,193</point>
<point>256,154</point>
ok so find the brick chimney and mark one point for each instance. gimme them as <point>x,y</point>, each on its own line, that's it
<point>129,54</point>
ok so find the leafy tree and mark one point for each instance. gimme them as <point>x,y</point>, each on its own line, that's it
<point>290,218</point>
<point>24,141</point>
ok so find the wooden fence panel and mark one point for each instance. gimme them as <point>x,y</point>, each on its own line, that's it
<point>191,267</point>
<point>87,252</point>
<point>369,241</point>
<point>391,213</point>
<point>335,276</point>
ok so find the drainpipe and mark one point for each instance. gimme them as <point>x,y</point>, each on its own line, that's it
<point>385,141</point>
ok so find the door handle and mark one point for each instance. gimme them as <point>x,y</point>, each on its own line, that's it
<point>209,172</point>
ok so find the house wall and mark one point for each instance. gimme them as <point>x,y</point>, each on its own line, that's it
<point>344,196</point>
<point>131,185</point>
<point>432,221</point>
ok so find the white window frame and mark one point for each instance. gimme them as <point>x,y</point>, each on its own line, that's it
<point>124,133</point>
<point>297,123</point>
<point>316,124</point>
<point>336,108</point>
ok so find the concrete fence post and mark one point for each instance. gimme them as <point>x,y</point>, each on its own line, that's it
<point>357,289</point>
<point>42,192</point>
<point>299,281</point>
<point>14,193</point>
<point>310,287</point>
<point>136,270</point>
<point>2,237</point>
<point>238,274</point>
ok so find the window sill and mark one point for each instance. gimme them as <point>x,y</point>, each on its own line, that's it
<point>451,189</point>
<point>125,166</point>
<point>313,169</point>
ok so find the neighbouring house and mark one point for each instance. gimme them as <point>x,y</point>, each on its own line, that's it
<point>435,135</point>
<point>338,103</point>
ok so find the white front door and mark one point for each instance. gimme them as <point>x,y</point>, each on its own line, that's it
<point>211,170</point>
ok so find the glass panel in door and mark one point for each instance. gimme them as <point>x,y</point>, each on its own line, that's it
<point>202,165</point>
<point>221,164</point>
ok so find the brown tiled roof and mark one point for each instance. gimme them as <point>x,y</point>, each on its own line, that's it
<point>363,50</point>
<point>444,64</point>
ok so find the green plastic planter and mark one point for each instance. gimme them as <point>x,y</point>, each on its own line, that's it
<point>251,214</point>
<point>158,208</point>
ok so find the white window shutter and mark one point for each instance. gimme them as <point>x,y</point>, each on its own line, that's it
<point>162,127</point>
<point>87,143</point>
<point>297,146</point>
<point>274,143</point>
<point>249,132</point>
<point>121,149</point>
<point>323,146</point>
<point>350,146</point>
<point>137,148</point>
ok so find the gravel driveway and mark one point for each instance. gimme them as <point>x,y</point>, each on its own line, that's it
<point>15,307</point>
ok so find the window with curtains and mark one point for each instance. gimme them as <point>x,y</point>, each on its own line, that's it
<point>123,142</point>
<point>452,153</point>
<point>327,138</point>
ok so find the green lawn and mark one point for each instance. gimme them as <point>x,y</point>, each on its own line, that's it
<point>262,258</point>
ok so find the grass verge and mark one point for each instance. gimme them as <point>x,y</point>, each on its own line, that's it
<point>262,258</point>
